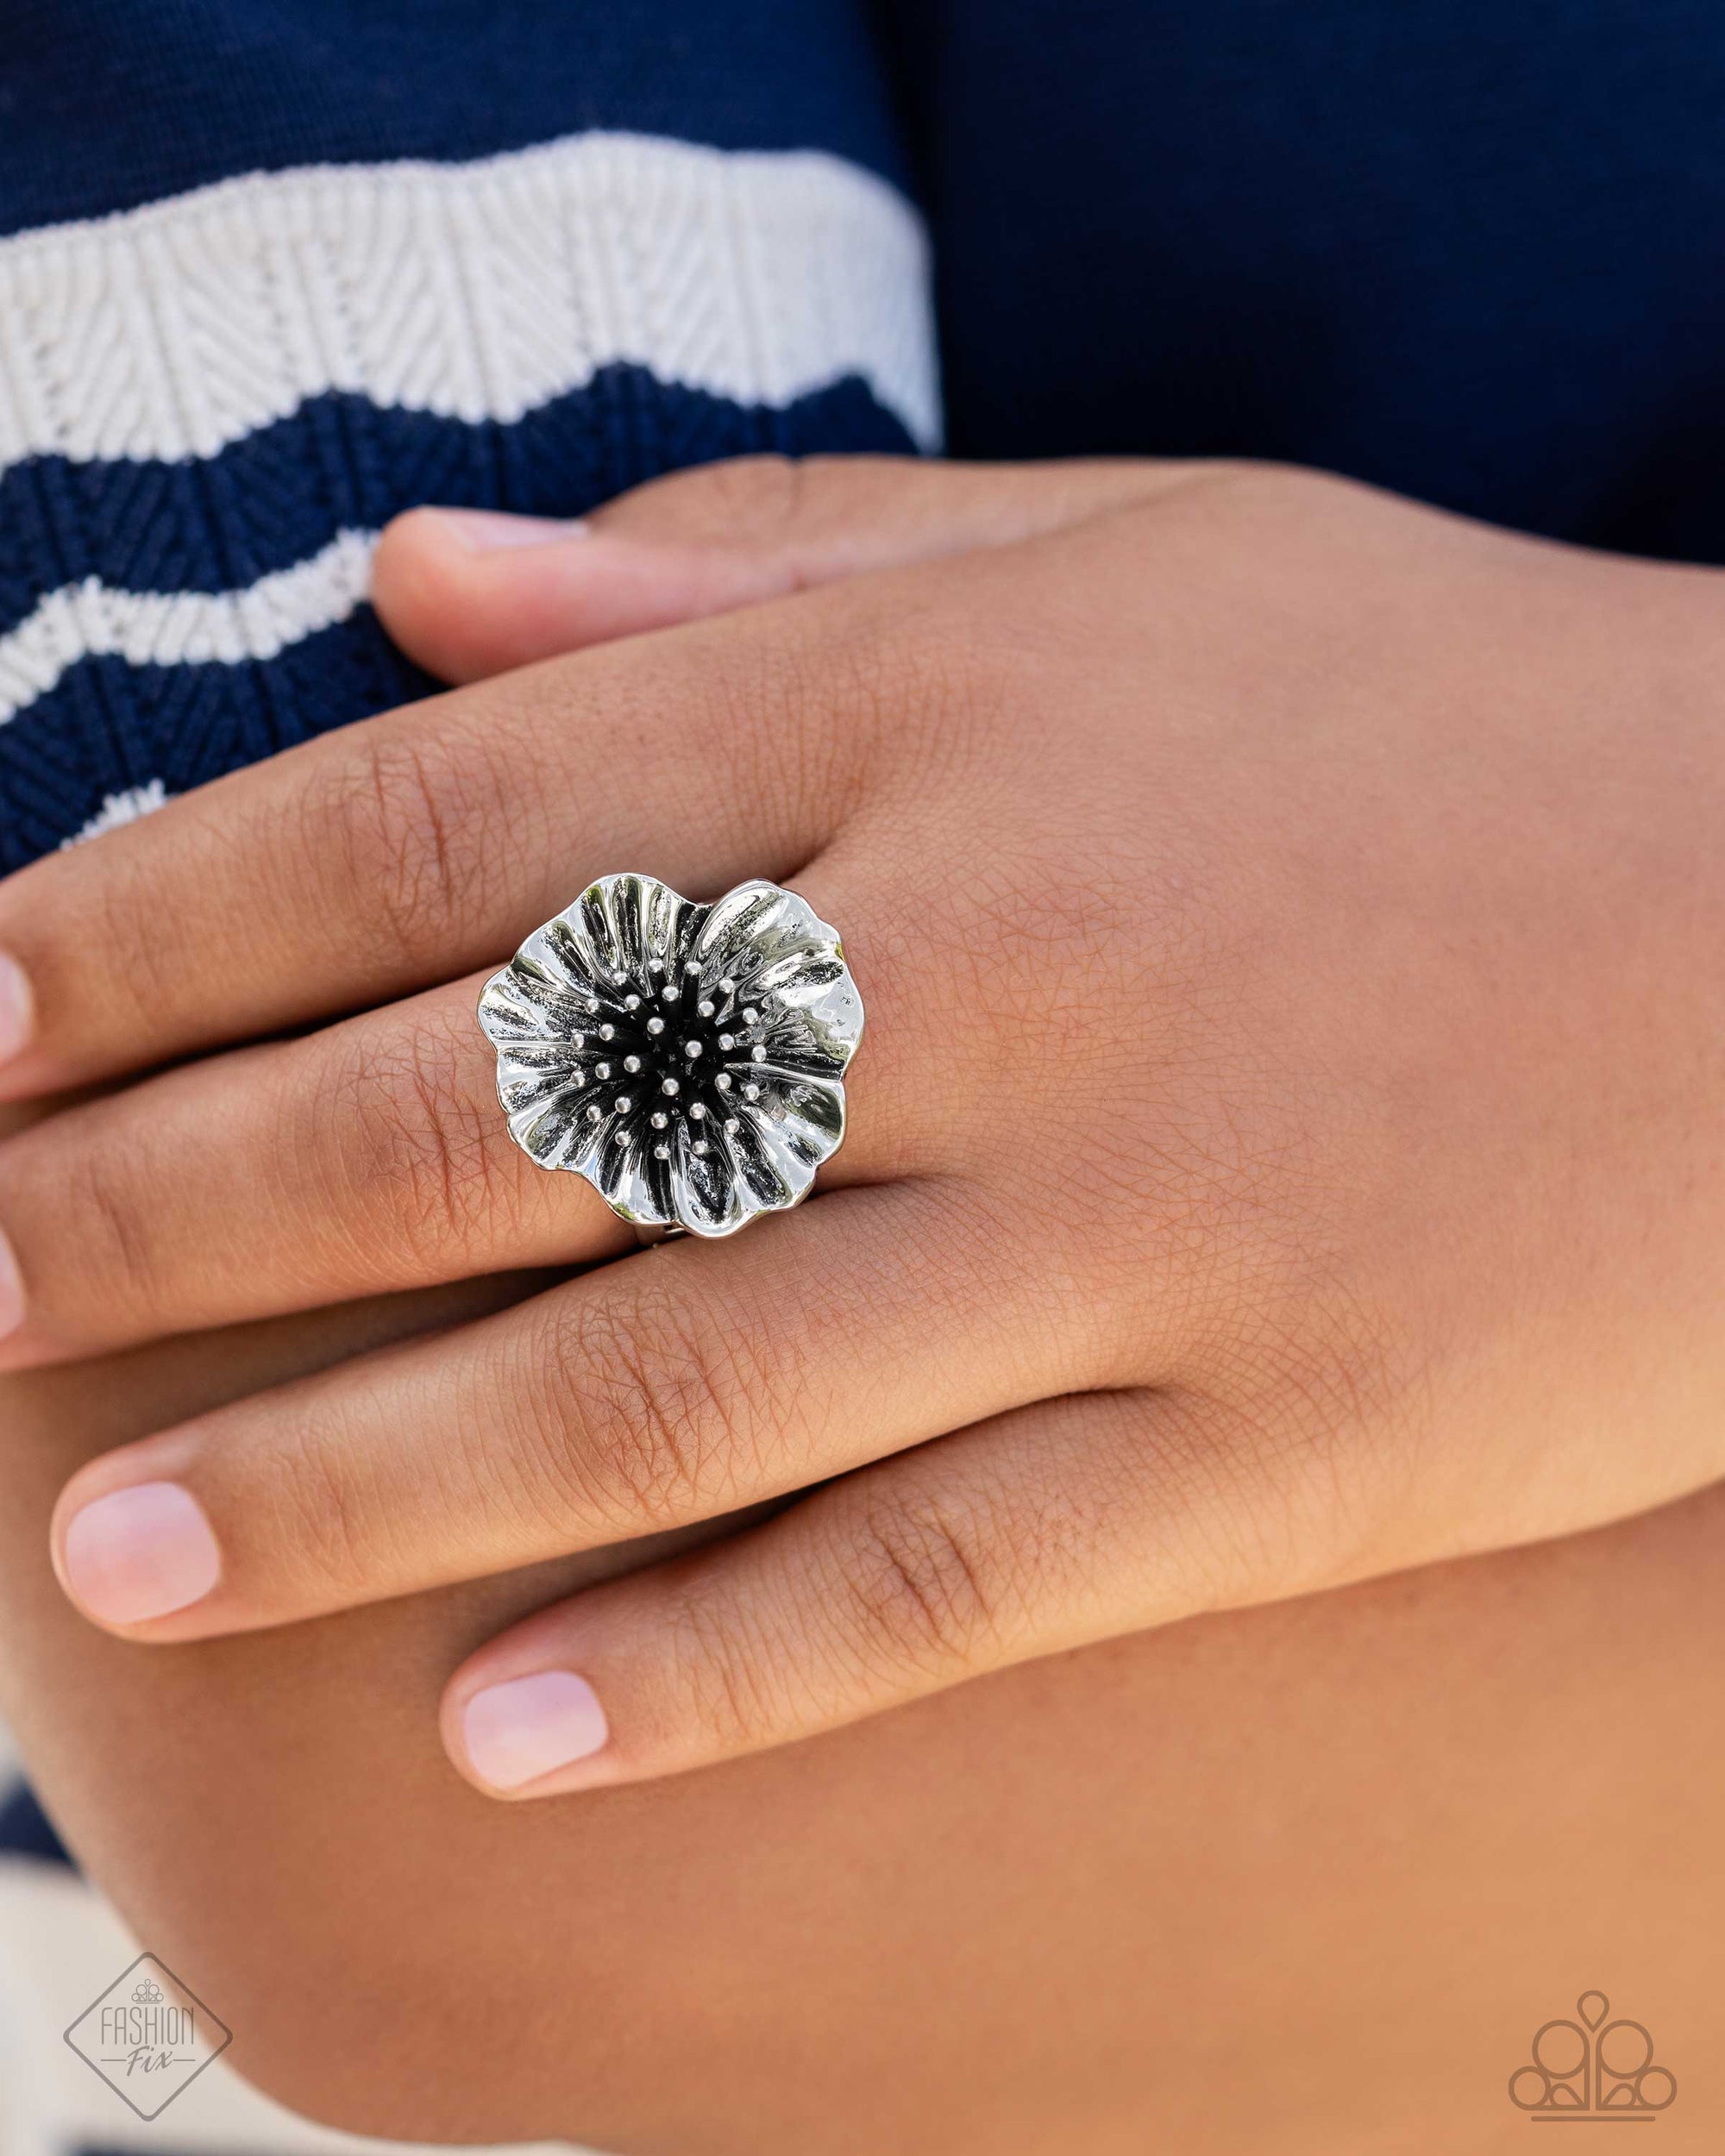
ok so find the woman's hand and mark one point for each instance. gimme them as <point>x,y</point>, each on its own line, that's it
<point>1286,1145</point>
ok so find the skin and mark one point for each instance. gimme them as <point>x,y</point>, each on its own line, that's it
<point>1299,1881</point>
<point>1299,1877</point>
<point>1288,1150</point>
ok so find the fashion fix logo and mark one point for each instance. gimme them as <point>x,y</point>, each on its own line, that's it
<point>147,2036</point>
<point>1592,2069</point>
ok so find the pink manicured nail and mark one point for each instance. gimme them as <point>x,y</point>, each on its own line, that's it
<point>486,530</point>
<point>141,1552</point>
<point>17,1007</point>
<point>11,1290</point>
<point>514,1732</point>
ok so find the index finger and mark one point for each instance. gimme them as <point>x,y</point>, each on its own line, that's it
<point>413,848</point>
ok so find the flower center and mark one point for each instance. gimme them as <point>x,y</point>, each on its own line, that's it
<point>670,1051</point>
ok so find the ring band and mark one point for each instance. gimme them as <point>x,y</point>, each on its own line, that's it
<point>687,1059</point>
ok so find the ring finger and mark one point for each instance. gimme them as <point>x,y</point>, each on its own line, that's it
<point>370,1156</point>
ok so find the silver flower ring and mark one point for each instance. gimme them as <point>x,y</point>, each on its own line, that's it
<point>688,1059</point>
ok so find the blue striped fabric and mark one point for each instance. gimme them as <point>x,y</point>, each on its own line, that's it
<point>26,1830</point>
<point>269,275</point>
<point>274,498</point>
<point>106,104</point>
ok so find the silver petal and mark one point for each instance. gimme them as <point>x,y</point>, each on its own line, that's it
<point>779,953</point>
<point>618,1171</point>
<point>705,1192</point>
<point>520,1085</point>
<point>770,1181</point>
<point>520,1004</point>
<point>806,1115</point>
<point>755,926</point>
<point>548,1129</point>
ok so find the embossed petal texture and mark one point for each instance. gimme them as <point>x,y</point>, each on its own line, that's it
<point>687,1059</point>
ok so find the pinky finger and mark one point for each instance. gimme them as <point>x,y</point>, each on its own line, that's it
<point>1041,1529</point>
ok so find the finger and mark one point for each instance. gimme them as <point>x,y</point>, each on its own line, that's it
<point>471,592</point>
<point>668,1388</point>
<point>418,847</point>
<point>370,1156</point>
<point>365,1158</point>
<point>1043,1529</point>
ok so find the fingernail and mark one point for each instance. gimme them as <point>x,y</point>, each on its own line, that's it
<point>17,1007</point>
<point>514,1732</point>
<point>11,1290</point>
<point>486,531</point>
<point>141,1552</point>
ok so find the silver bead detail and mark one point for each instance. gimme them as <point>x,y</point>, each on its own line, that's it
<point>655,1025</point>
<point>750,1015</point>
<point>594,1111</point>
<point>624,1103</point>
<point>608,1033</point>
<point>601,1070</point>
<point>660,1120</point>
<point>701,1147</point>
<point>670,1086</point>
<point>727,986</point>
<point>751,1093</point>
<point>727,1041</point>
<point>631,1063</point>
<point>732,1126</point>
<point>722,1082</point>
<point>662,1152</point>
<point>704,1006</point>
<point>697,1113</point>
<point>656,965</point>
<point>692,1047</point>
<point>757,1055</point>
<point>631,1003</point>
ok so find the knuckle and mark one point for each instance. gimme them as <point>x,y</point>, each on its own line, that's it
<point>112,1255</point>
<point>143,970</point>
<point>730,1684</point>
<point>324,1540</point>
<point>926,1587</point>
<point>1276,493</point>
<point>400,815</point>
<point>655,1414</point>
<point>750,500</point>
<point>409,1125</point>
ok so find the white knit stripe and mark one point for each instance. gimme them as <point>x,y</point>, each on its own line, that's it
<point>477,292</point>
<point>116,809</point>
<point>92,620</point>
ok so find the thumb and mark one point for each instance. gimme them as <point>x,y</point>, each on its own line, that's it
<point>471,592</point>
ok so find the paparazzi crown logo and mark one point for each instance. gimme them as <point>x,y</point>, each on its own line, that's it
<point>1592,2069</point>
<point>147,2036</point>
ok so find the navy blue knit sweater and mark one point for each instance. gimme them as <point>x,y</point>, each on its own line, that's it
<point>273,270</point>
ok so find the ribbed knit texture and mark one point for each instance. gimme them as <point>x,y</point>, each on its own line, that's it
<point>210,406</point>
